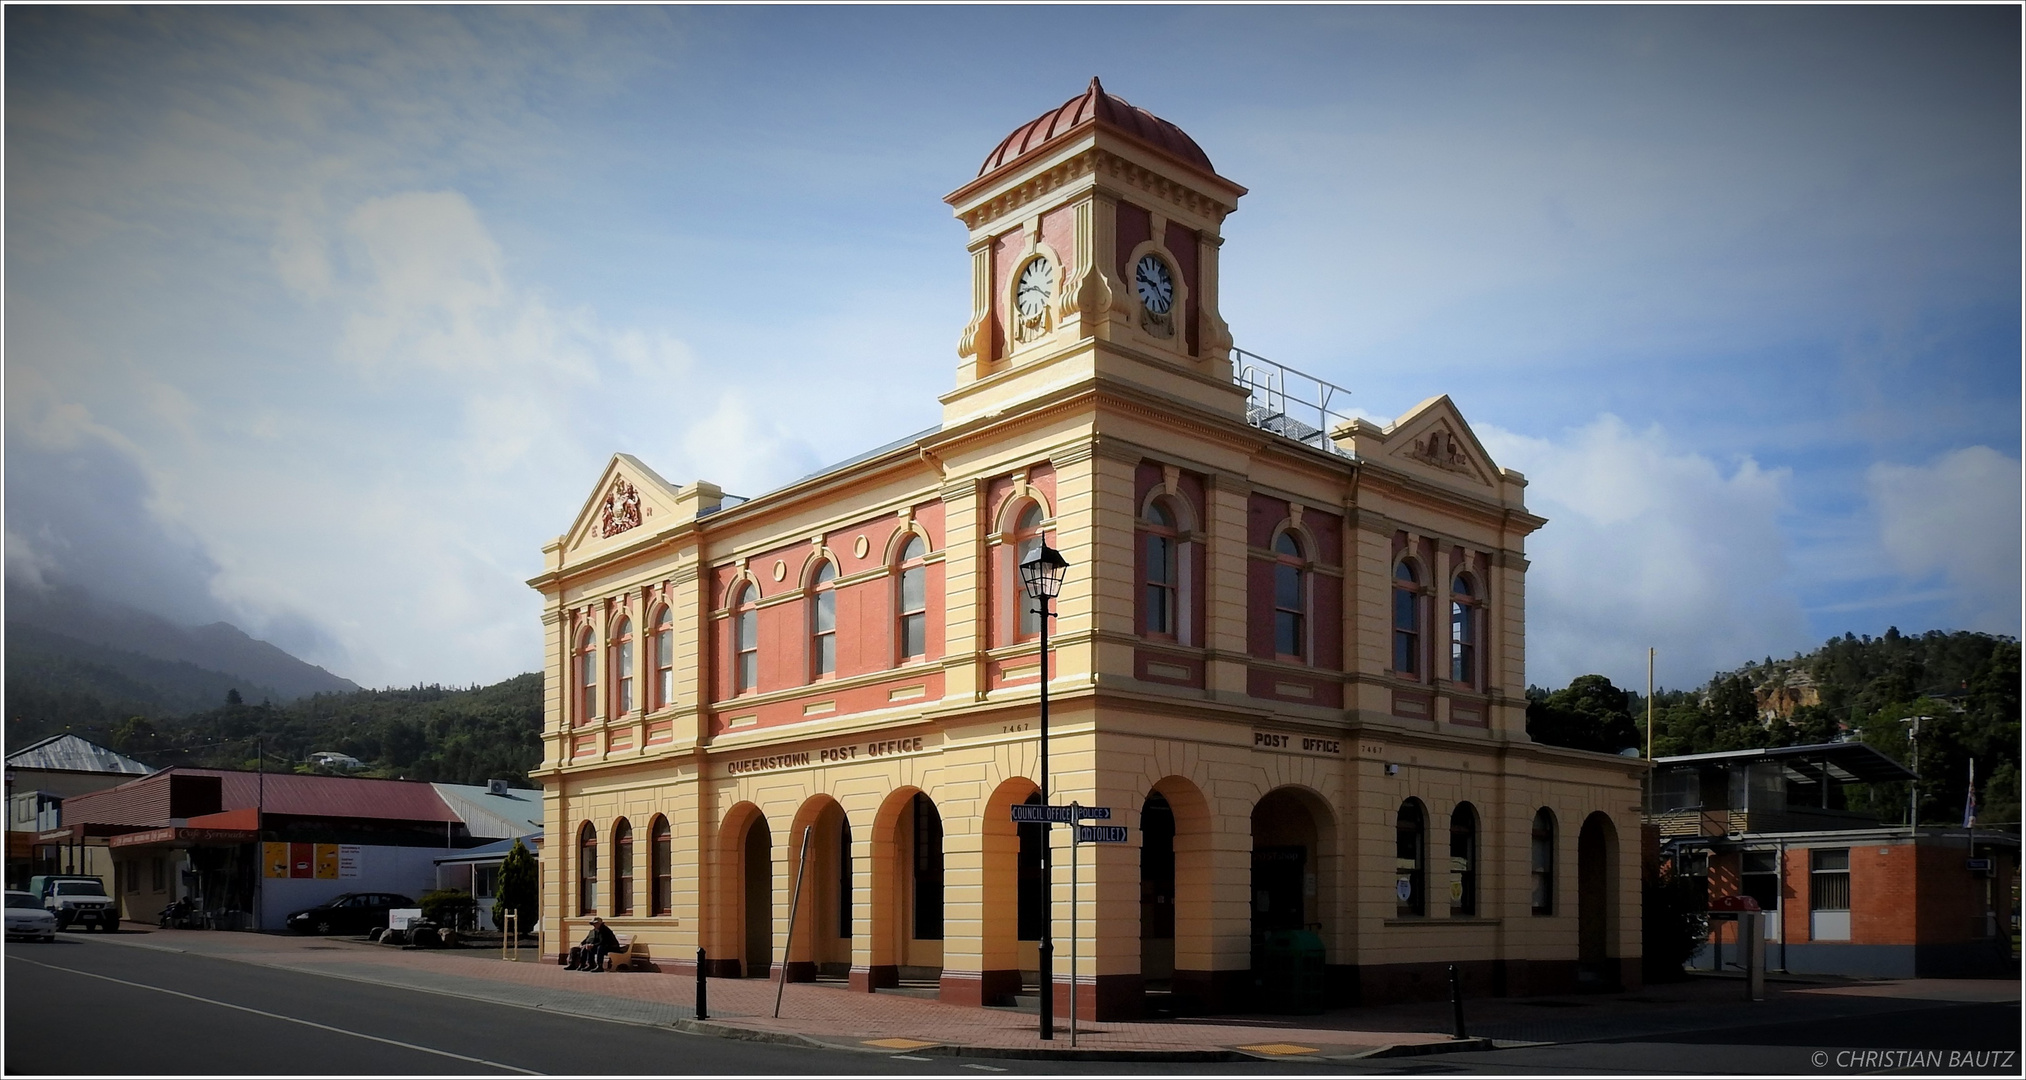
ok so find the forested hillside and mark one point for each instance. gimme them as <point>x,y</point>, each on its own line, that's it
<point>422,733</point>
<point>1966,684</point>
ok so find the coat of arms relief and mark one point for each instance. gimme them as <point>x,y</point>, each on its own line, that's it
<point>621,511</point>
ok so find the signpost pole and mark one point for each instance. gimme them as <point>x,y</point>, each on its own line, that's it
<point>1075,940</point>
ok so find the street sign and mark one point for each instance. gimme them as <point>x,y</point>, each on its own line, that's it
<point>1061,814</point>
<point>1100,834</point>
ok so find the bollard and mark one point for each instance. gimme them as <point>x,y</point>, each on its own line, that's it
<point>702,989</point>
<point>1456,1000</point>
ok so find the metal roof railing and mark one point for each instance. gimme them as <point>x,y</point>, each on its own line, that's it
<point>1289,403</point>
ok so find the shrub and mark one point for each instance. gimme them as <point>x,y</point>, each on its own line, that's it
<point>517,888</point>
<point>449,907</point>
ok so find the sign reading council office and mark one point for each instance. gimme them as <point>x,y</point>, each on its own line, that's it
<point>829,755</point>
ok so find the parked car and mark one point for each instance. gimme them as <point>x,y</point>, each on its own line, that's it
<point>348,913</point>
<point>27,918</point>
<point>79,899</point>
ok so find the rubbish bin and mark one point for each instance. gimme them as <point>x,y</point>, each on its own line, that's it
<point>1289,972</point>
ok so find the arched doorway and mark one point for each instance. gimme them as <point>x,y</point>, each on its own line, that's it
<point>906,916</point>
<point>757,894</point>
<point>1157,894</point>
<point>824,914</point>
<point>1596,901</point>
<point>1293,867</point>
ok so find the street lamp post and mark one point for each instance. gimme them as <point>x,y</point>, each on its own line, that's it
<point>1041,574</point>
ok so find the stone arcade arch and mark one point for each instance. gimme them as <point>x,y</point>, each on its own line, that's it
<point>1176,939</point>
<point>821,947</point>
<point>907,892</point>
<point>1008,955</point>
<point>1597,901</point>
<point>745,885</point>
<point>1294,857</point>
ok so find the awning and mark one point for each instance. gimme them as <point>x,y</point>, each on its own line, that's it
<point>1845,762</point>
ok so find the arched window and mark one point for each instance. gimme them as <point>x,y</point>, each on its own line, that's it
<point>622,868</point>
<point>1406,621</point>
<point>1290,598</point>
<point>664,659</point>
<point>1027,540</point>
<point>745,642</point>
<point>1410,860</point>
<point>587,677</point>
<point>1544,862</point>
<point>1463,861</point>
<point>823,620</point>
<point>587,870</point>
<point>913,630</point>
<point>622,668</point>
<point>1464,620</point>
<point>661,865</point>
<point>1163,576</point>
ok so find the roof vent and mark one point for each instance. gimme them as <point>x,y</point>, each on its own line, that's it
<point>495,787</point>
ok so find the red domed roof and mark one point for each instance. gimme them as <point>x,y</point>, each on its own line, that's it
<point>1094,105</point>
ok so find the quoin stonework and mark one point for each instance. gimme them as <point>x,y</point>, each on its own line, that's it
<point>1290,655</point>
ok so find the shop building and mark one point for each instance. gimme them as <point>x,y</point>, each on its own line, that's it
<point>1289,656</point>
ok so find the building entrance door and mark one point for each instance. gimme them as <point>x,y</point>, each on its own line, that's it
<point>759,890</point>
<point>1277,879</point>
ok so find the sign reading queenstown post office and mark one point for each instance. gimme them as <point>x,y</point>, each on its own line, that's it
<point>1286,743</point>
<point>828,755</point>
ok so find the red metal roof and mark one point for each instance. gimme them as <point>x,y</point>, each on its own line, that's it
<point>138,802</point>
<point>1096,106</point>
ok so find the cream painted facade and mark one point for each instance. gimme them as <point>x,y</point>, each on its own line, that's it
<point>1249,682</point>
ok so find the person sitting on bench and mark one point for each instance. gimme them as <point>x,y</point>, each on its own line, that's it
<point>590,955</point>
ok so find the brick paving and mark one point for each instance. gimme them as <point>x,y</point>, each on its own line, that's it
<point>831,1015</point>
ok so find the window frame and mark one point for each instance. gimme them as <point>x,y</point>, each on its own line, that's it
<point>622,867</point>
<point>620,654</point>
<point>587,869</point>
<point>822,594</point>
<point>1020,537</point>
<point>1541,843</point>
<point>661,867</point>
<point>586,655</point>
<point>1464,831</point>
<point>744,625</point>
<point>911,565</point>
<point>1298,564</point>
<point>1466,631</point>
<point>1407,591</point>
<point>663,630</point>
<point>1161,596</point>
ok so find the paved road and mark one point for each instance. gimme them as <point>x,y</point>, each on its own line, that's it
<point>184,1013</point>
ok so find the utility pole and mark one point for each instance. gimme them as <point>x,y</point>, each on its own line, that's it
<point>1913,801</point>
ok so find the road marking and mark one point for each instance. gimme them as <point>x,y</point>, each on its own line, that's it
<point>898,1044</point>
<point>910,1057</point>
<point>1279,1049</point>
<point>983,1068</point>
<point>290,1019</point>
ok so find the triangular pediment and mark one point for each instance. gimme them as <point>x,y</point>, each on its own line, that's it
<point>1433,439</point>
<point>630,500</point>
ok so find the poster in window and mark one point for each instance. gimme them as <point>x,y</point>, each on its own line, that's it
<point>327,862</point>
<point>274,860</point>
<point>302,860</point>
<point>349,858</point>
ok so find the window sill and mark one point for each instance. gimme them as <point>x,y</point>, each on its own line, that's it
<point>1438,920</point>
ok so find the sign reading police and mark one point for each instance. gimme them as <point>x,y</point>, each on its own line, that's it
<point>1061,814</point>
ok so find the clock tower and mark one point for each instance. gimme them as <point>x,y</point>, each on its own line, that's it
<point>1094,232</point>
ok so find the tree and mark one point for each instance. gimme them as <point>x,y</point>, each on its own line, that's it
<point>135,735</point>
<point>232,697</point>
<point>1590,714</point>
<point>1674,920</point>
<point>517,888</point>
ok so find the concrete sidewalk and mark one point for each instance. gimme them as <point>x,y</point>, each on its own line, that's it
<point>829,1016</point>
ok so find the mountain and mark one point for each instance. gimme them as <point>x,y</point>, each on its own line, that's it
<point>69,616</point>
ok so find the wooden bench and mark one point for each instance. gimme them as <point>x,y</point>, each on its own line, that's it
<point>619,959</point>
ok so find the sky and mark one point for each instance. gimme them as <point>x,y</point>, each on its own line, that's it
<point>322,321</point>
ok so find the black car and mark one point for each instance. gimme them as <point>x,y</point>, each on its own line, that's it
<point>348,913</point>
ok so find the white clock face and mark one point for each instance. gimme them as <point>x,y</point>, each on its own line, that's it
<point>1157,288</point>
<point>1037,284</point>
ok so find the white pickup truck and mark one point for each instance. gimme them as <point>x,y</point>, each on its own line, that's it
<point>79,899</point>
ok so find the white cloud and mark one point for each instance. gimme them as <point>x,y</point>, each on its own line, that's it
<point>1649,545</point>
<point>1958,518</point>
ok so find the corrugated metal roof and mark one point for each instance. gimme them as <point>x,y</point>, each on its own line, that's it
<point>516,813</point>
<point>68,753</point>
<point>495,850</point>
<point>285,793</point>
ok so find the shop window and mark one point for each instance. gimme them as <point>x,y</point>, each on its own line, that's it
<point>132,873</point>
<point>1290,598</point>
<point>622,868</point>
<point>1759,878</point>
<point>745,641</point>
<point>1463,861</point>
<point>928,867</point>
<point>1544,862</point>
<point>587,870</point>
<point>485,881</point>
<point>1163,575</point>
<point>914,601</point>
<point>587,677</point>
<point>1829,894</point>
<point>159,873</point>
<point>662,866</point>
<point>1406,621</point>
<point>1027,541</point>
<point>823,620</point>
<point>664,659</point>
<point>1410,858</point>
<point>622,669</point>
<point>1465,619</point>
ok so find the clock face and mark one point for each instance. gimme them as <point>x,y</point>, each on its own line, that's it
<point>1037,284</point>
<point>1157,288</point>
